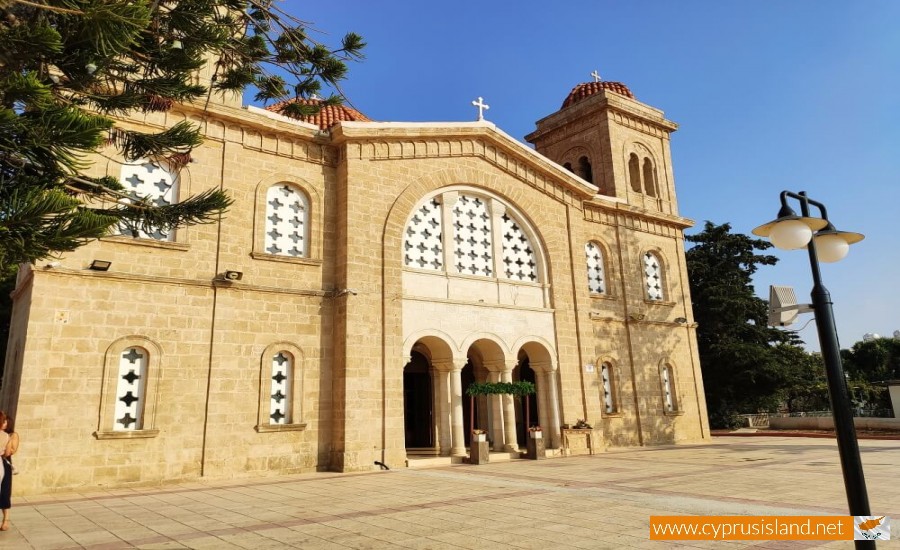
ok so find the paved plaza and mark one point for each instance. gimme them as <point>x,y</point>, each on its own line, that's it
<point>600,501</point>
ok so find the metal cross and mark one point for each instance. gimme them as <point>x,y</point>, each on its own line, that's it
<point>596,76</point>
<point>482,106</point>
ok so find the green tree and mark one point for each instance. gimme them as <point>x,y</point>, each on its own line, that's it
<point>742,372</point>
<point>68,68</point>
<point>868,364</point>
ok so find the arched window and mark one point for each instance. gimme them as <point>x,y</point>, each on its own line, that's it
<point>607,381</point>
<point>154,181</point>
<point>568,166</point>
<point>281,384</point>
<point>634,172</point>
<point>131,389</point>
<point>280,389</point>
<point>484,239</point>
<point>584,170</point>
<point>650,186</point>
<point>670,399</point>
<point>653,276</point>
<point>595,268</point>
<point>287,221</point>
<point>422,241</point>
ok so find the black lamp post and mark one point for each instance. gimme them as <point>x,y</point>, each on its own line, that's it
<point>790,231</point>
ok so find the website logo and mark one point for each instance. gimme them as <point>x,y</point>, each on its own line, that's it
<point>871,528</point>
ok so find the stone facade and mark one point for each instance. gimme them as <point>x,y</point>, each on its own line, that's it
<point>433,255</point>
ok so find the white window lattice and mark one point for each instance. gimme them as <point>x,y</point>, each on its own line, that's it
<point>605,374</point>
<point>472,237</point>
<point>145,179</point>
<point>422,244</point>
<point>130,390</point>
<point>282,376</point>
<point>653,276</point>
<point>286,221</point>
<point>667,388</point>
<point>518,256</point>
<point>595,275</point>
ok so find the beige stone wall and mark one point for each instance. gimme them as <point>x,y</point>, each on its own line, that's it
<point>213,340</point>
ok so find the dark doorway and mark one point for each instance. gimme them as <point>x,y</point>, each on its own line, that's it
<point>525,373</point>
<point>418,409</point>
<point>468,377</point>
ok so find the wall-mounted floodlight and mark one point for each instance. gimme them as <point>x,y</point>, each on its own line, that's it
<point>100,265</point>
<point>681,320</point>
<point>234,275</point>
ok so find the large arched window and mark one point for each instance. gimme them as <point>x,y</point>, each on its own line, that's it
<point>287,221</point>
<point>653,277</point>
<point>596,273</point>
<point>154,181</point>
<point>485,238</point>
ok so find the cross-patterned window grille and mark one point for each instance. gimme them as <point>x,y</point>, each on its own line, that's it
<point>132,381</point>
<point>653,276</point>
<point>595,274</point>
<point>145,179</point>
<point>287,219</point>
<point>422,244</point>
<point>606,378</point>
<point>518,256</point>
<point>668,389</point>
<point>472,236</point>
<point>282,379</point>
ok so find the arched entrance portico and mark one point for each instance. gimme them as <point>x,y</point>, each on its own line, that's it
<point>536,364</point>
<point>418,403</point>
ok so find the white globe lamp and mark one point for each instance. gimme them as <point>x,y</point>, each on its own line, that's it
<point>790,234</point>
<point>831,248</point>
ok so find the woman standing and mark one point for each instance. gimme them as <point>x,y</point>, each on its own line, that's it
<point>10,442</point>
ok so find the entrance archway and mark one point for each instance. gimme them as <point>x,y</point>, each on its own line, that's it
<point>418,402</point>
<point>523,372</point>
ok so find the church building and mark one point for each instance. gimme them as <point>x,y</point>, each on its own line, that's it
<point>367,273</point>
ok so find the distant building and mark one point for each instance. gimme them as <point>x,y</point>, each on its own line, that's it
<point>366,274</point>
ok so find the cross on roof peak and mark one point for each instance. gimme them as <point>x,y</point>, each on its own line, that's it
<point>482,107</point>
<point>596,76</point>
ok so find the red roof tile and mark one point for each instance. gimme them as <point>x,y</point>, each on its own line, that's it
<point>328,115</point>
<point>590,88</point>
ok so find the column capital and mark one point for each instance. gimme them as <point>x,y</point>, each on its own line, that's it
<point>543,366</point>
<point>510,364</point>
<point>444,365</point>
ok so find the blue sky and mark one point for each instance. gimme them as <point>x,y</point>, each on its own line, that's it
<point>801,95</point>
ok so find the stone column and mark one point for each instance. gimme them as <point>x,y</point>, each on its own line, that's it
<point>442,405</point>
<point>509,412</point>
<point>456,406</point>
<point>496,405</point>
<point>553,406</point>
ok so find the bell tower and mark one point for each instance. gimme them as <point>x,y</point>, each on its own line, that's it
<point>608,138</point>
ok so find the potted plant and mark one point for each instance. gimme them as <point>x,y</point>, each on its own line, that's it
<point>479,435</point>
<point>582,425</point>
<point>535,432</point>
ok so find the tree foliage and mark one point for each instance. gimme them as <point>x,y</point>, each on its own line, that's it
<point>743,369</point>
<point>68,68</point>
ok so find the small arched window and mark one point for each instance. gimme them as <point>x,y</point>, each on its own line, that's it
<point>584,170</point>
<point>670,399</point>
<point>653,277</point>
<point>281,385</point>
<point>595,268</point>
<point>607,380</point>
<point>568,166</point>
<point>287,221</point>
<point>131,389</point>
<point>650,186</point>
<point>634,172</point>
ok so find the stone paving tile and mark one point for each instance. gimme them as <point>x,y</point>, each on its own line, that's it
<point>592,502</point>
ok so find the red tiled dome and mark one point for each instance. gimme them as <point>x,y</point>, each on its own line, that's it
<point>328,115</point>
<point>590,88</point>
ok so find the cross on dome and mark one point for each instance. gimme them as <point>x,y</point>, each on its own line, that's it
<point>596,76</point>
<point>482,106</point>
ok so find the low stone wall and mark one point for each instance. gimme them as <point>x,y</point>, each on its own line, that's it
<point>827,423</point>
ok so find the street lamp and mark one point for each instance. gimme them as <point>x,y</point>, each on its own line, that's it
<point>790,232</point>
